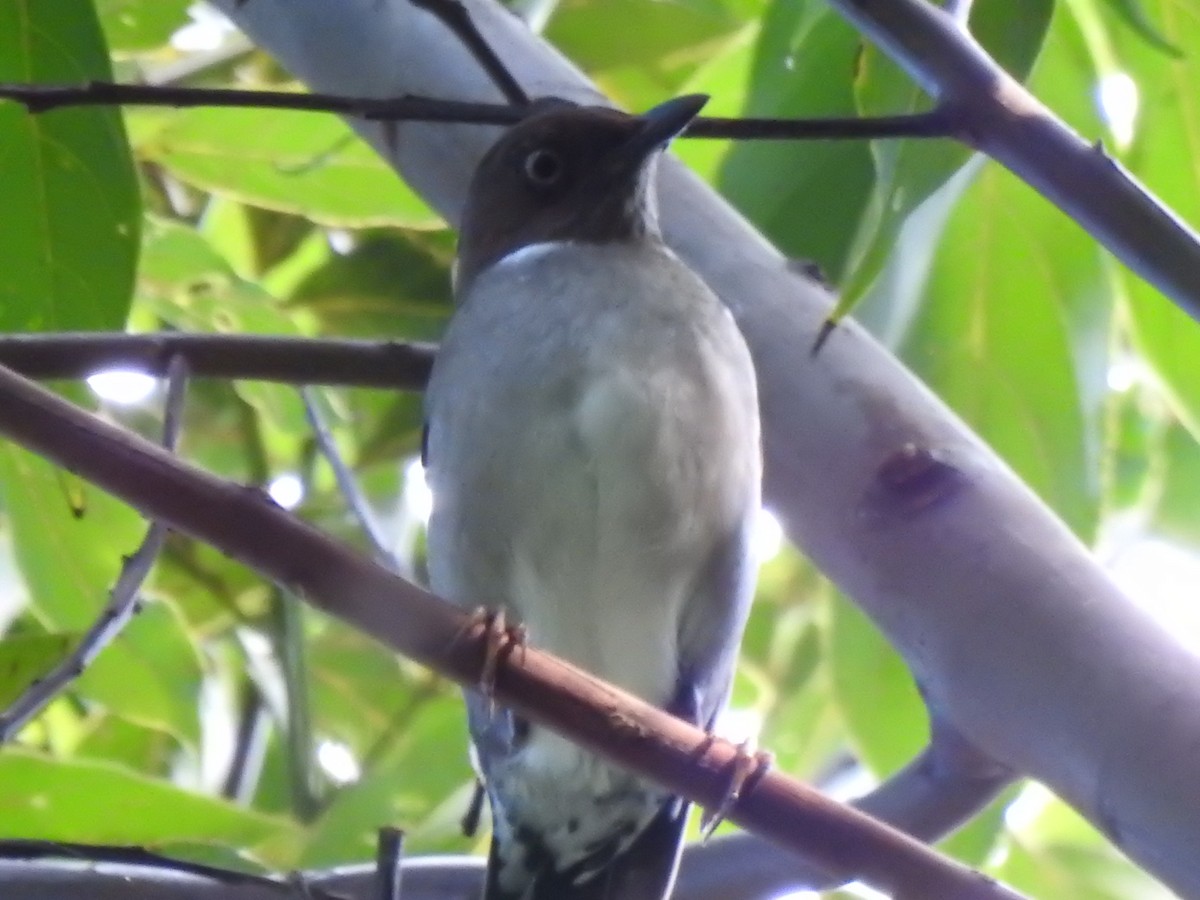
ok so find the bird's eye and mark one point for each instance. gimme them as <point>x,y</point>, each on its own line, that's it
<point>543,168</point>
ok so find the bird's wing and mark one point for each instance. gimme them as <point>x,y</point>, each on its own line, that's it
<point>711,625</point>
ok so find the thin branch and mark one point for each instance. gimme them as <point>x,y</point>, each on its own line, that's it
<point>249,747</point>
<point>454,16</point>
<point>40,98</point>
<point>247,526</point>
<point>1000,117</point>
<point>359,505</point>
<point>123,601</point>
<point>383,364</point>
<point>289,646</point>
<point>389,855</point>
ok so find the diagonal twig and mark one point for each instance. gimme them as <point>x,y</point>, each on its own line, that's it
<point>123,603</point>
<point>347,483</point>
<point>454,16</point>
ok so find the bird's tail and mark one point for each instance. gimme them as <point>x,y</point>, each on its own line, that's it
<point>645,870</point>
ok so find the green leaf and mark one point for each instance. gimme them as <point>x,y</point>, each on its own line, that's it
<point>976,841</point>
<point>133,25</point>
<point>58,800</point>
<point>908,172</point>
<point>996,345</point>
<point>427,766</point>
<point>1163,156</point>
<point>651,60</point>
<point>150,674</point>
<point>27,657</point>
<point>1014,333</point>
<point>118,740</point>
<point>343,665</point>
<point>70,540</point>
<point>1177,512</point>
<point>294,162</point>
<point>389,284</point>
<point>70,215</point>
<point>1133,14</point>
<point>875,692</point>
<point>807,196</point>
<point>185,282</point>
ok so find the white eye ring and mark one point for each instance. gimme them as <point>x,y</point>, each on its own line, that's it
<point>543,168</point>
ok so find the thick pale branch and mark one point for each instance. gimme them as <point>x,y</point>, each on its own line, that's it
<point>249,527</point>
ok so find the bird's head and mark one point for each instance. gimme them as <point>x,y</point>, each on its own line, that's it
<point>567,173</point>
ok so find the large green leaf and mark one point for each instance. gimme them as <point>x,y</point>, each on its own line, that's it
<point>908,172</point>
<point>1014,332</point>
<point>1177,508</point>
<point>807,196</point>
<point>68,240</point>
<point>1133,13</point>
<point>650,62</point>
<point>70,542</point>
<point>69,215</point>
<point>1166,156</point>
<point>427,765</point>
<point>59,800</point>
<point>997,347</point>
<point>305,163</point>
<point>133,25</point>
<point>388,284</point>
<point>188,284</point>
<point>876,694</point>
<point>26,658</point>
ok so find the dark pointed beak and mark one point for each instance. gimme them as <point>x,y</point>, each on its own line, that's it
<point>659,125</point>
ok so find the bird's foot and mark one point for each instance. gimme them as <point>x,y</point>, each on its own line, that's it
<point>501,638</point>
<point>748,767</point>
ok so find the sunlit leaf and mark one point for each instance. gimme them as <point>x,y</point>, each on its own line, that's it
<point>807,196</point>
<point>1166,156</point>
<point>70,214</point>
<point>57,800</point>
<point>1133,13</point>
<point>132,25</point>
<point>308,163</point>
<point>876,695</point>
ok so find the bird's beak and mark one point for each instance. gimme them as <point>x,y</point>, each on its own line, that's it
<point>657,126</point>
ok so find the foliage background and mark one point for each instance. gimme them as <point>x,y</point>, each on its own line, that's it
<point>283,223</point>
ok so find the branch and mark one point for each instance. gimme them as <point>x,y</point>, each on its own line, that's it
<point>247,526</point>
<point>383,364</point>
<point>454,16</point>
<point>40,98</point>
<point>986,594</point>
<point>360,506</point>
<point>998,116</point>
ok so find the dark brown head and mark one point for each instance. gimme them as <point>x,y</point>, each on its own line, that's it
<point>567,173</point>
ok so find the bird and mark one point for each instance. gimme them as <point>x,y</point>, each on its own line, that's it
<point>593,451</point>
